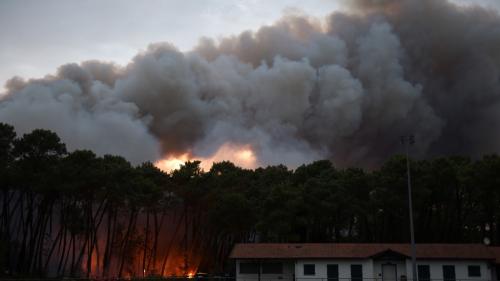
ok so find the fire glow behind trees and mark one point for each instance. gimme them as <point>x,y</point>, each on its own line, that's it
<point>76,214</point>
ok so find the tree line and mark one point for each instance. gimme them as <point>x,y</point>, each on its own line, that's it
<point>78,214</point>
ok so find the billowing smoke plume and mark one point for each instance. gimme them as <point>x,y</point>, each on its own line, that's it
<point>301,89</point>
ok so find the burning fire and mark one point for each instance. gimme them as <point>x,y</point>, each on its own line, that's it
<point>175,266</point>
<point>240,155</point>
<point>172,163</point>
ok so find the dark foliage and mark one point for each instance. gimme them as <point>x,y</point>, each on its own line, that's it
<point>82,215</point>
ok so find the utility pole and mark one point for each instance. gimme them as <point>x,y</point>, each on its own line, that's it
<point>407,141</point>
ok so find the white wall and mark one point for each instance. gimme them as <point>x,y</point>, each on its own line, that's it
<point>461,273</point>
<point>344,268</point>
<point>288,271</point>
<point>371,270</point>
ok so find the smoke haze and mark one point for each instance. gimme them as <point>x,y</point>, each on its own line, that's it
<point>342,88</point>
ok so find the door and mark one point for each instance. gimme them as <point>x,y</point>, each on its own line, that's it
<point>356,272</point>
<point>332,272</point>
<point>389,272</point>
<point>424,273</point>
<point>449,273</point>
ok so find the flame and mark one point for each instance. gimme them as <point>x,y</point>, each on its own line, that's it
<point>176,264</point>
<point>241,155</point>
<point>172,162</point>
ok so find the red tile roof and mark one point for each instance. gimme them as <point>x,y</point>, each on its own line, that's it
<point>496,253</point>
<point>361,250</point>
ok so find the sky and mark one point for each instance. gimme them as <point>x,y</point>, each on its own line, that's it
<point>38,36</point>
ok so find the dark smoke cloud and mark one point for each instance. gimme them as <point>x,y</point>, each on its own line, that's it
<point>299,90</point>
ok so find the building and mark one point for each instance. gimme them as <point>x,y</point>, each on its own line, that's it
<point>364,262</point>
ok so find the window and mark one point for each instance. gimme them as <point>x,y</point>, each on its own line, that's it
<point>424,273</point>
<point>309,269</point>
<point>272,268</point>
<point>448,273</point>
<point>332,272</point>
<point>356,272</point>
<point>249,268</point>
<point>474,270</point>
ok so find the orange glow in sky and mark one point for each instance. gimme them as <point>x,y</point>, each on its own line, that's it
<point>241,155</point>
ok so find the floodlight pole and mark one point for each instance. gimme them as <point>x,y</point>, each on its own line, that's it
<point>407,141</point>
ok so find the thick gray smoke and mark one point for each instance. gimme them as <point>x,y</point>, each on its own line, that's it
<point>296,91</point>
